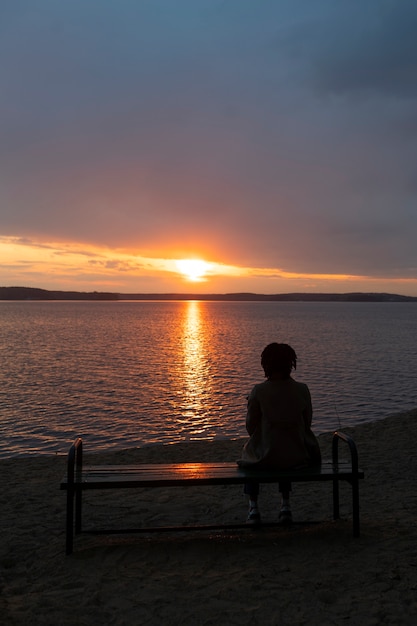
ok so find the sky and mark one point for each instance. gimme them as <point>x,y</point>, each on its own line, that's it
<point>275,141</point>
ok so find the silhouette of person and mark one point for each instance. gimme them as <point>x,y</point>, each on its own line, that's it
<point>278,421</point>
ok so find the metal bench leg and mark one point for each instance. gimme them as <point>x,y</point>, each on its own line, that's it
<point>69,523</point>
<point>78,494</point>
<point>336,512</point>
<point>355,507</point>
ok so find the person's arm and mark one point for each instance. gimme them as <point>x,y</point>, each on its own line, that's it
<point>253,416</point>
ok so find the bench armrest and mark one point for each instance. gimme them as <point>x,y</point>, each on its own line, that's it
<point>75,460</point>
<point>337,436</point>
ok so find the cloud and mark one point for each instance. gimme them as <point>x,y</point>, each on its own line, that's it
<point>269,134</point>
<point>370,49</point>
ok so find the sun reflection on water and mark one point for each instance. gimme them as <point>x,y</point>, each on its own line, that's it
<point>195,371</point>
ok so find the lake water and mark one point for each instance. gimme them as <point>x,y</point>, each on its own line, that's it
<point>127,374</point>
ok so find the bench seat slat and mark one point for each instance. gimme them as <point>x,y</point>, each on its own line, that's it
<point>165,474</point>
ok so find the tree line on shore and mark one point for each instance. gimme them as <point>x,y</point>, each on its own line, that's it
<point>33,293</point>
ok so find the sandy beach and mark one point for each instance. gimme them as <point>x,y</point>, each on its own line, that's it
<point>315,573</point>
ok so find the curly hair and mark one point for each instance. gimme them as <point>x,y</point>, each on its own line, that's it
<point>278,358</point>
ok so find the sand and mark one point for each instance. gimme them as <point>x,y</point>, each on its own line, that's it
<point>315,573</point>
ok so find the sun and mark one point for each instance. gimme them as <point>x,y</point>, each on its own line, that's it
<point>193,269</point>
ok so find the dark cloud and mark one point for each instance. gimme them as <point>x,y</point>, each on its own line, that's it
<point>369,47</point>
<point>280,134</point>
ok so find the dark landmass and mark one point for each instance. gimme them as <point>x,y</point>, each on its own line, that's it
<point>280,297</point>
<point>30,293</point>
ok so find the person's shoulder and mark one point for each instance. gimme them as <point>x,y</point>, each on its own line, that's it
<point>301,386</point>
<point>259,387</point>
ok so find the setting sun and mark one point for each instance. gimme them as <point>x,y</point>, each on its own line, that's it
<point>193,269</point>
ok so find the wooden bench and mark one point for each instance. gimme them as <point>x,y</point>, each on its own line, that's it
<point>81,478</point>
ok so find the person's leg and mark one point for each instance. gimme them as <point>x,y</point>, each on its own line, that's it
<point>285,498</point>
<point>285,514</point>
<point>251,489</point>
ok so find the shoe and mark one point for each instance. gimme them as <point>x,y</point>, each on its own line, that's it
<point>285,515</point>
<point>254,517</point>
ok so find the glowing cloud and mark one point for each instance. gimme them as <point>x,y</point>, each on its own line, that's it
<point>70,266</point>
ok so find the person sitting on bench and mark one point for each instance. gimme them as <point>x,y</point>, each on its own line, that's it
<point>278,421</point>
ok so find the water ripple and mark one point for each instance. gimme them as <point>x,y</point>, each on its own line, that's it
<point>138,373</point>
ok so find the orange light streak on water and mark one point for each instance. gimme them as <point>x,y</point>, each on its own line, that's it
<point>194,374</point>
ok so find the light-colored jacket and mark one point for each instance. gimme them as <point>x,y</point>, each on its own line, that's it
<point>279,425</point>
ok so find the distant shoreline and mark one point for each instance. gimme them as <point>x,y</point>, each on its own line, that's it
<point>32,293</point>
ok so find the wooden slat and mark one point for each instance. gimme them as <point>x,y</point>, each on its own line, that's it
<point>170,474</point>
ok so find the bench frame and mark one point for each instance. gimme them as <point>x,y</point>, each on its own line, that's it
<point>80,478</point>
